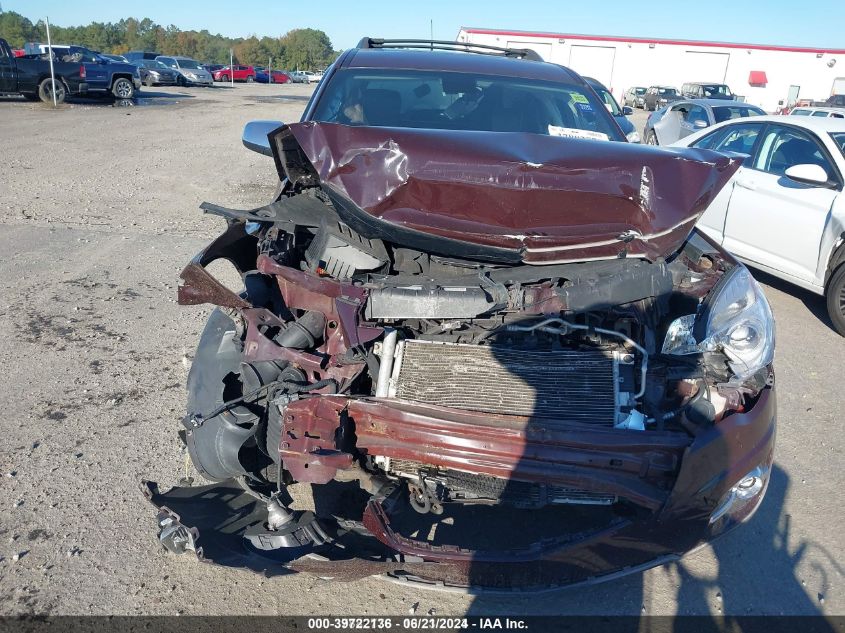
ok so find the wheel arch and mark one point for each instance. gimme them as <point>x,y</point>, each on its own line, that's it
<point>117,76</point>
<point>836,259</point>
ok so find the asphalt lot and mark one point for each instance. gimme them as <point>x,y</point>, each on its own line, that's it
<point>98,209</point>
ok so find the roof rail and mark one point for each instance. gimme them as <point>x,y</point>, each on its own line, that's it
<point>448,45</point>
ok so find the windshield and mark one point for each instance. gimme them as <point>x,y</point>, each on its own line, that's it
<point>463,101</point>
<point>839,139</point>
<point>711,90</point>
<point>723,113</point>
<point>668,92</point>
<point>188,63</point>
<point>153,63</point>
<point>639,91</point>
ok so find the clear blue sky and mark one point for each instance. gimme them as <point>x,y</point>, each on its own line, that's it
<point>818,23</point>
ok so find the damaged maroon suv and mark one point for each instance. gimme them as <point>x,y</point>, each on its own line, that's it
<point>480,343</point>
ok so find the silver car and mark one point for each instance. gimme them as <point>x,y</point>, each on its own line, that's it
<point>298,77</point>
<point>634,97</point>
<point>190,70</point>
<point>682,118</point>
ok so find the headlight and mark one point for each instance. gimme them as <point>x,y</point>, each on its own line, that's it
<point>735,319</point>
<point>742,494</point>
<point>633,137</point>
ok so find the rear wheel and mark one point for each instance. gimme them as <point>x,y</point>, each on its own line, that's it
<point>835,295</point>
<point>250,79</point>
<point>45,91</point>
<point>651,138</point>
<point>122,88</point>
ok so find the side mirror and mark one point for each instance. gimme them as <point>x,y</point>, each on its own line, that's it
<point>700,124</point>
<point>808,174</point>
<point>627,110</point>
<point>255,136</point>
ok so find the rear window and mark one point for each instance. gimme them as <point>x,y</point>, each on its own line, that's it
<point>800,112</point>
<point>723,113</point>
<point>715,90</point>
<point>463,101</point>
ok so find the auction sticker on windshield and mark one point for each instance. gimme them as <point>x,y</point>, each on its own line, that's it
<point>571,132</point>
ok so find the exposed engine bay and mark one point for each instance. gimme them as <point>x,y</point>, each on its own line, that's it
<point>433,380</point>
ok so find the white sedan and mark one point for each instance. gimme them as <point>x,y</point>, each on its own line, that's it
<point>784,210</point>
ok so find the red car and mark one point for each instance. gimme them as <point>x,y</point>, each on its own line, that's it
<point>238,73</point>
<point>278,77</point>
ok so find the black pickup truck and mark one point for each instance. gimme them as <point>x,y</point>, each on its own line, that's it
<point>30,76</point>
<point>78,71</point>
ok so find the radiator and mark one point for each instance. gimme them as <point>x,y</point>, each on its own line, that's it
<point>559,385</point>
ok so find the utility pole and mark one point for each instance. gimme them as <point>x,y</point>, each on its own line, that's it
<point>50,50</point>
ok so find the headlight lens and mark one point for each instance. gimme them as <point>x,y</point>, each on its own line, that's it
<point>737,321</point>
<point>746,490</point>
<point>633,137</point>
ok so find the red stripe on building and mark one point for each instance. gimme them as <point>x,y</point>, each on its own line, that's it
<point>643,40</point>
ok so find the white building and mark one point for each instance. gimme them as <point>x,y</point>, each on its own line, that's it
<point>767,76</point>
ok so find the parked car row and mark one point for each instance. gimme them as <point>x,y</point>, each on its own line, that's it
<point>658,96</point>
<point>189,72</point>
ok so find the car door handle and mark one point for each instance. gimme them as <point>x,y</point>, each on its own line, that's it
<point>746,184</point>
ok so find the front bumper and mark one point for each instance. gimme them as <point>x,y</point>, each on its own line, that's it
<point>711,465</point>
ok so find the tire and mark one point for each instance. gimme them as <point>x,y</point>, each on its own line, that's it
<point>835,295</point>
<point>123,88</point>
<point>224,77</point>
<point>250,79</point>
<point>148,82</point>
<point>45,91</point>
<point>651,138</point>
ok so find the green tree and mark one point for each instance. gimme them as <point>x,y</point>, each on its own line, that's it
<point>306,49</point>
<point>15,29</point>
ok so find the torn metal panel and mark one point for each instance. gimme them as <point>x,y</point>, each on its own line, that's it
<point>199,286</point>
<point>309,447</point>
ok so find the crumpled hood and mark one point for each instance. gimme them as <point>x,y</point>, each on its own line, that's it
<point>551,199</point>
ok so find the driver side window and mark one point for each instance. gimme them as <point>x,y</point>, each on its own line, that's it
<point>784,147</point>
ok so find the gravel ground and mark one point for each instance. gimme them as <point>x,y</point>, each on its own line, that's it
<point>98,209</point>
